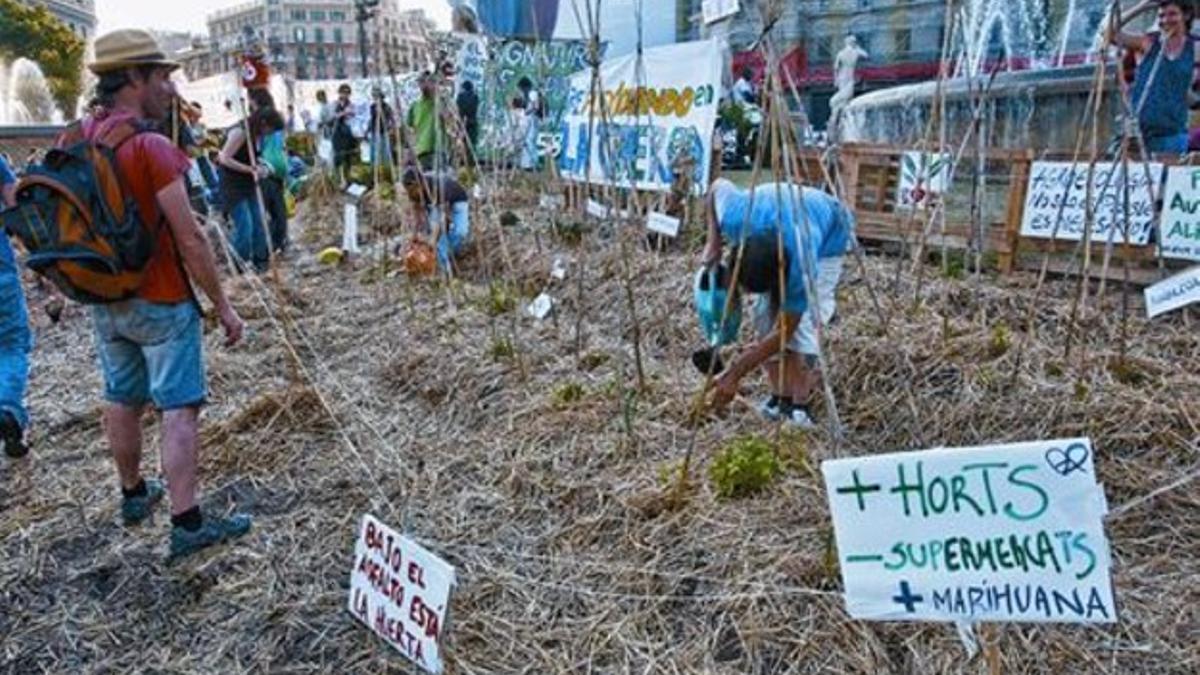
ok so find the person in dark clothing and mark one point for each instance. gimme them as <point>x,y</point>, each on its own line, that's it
<point>345,145</point>
<point>242,174</point>
<point>381,131</point>
<point>468,110</point>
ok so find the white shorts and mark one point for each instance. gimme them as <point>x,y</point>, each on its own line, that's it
<point>804,339</point>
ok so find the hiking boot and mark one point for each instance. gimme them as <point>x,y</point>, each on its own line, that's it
<point>136,509</point>
<point>771,408</point>
<point>12,436</point>
<point>798,417</point>
<point>213,531</point>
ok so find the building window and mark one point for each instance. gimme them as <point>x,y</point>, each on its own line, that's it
<point>299,15</point>
<point>337,35</point>
<point>903,43</point>
<point>318,35</point>
<point>316,15</point>
<point>299,34</point>
<point>337,16</point>
<point>273,16</point>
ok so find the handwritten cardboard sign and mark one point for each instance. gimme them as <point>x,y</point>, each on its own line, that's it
<point>1061,189</point>
<point>401,592</point>
<point>1170,294</point>
<point>662,224</point>
<point>998,533</point>
<point>1181,214</point>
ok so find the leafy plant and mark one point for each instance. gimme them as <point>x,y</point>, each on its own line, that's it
<point>502,349</point>
<point>593,360</point>
<point>1000,342</point>
<point>499,301</point>
<point>567,394</point>
<point>744,467</point>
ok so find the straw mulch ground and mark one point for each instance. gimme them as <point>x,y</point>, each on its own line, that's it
<point>519,454</point>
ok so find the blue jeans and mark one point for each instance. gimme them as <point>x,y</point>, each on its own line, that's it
<point>1175,145</point>
<point>529,151</point>
<point>16,340</point>
<point>249,237</point>
<point>381,152</point>
<point>456,234</point>
<point>151,352</point>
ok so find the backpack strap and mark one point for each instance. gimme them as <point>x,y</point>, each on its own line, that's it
<point>71,135</point>
<point>116,136</point>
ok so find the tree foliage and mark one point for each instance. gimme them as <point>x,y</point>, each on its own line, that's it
<point>34,33</point>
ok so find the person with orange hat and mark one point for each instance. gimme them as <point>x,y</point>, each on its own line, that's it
<point>151,346</point>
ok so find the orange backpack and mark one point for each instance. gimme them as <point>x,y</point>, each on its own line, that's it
<point>79,223</point>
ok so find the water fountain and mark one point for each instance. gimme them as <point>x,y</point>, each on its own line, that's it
<point>26,95</point>
<point>1042,50</point>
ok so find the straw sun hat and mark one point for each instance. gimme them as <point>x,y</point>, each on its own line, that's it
<point>126,49</point>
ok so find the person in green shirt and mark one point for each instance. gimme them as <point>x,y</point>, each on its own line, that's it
<point>429,141</point>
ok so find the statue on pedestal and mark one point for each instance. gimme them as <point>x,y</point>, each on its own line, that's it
<point>844,66</point>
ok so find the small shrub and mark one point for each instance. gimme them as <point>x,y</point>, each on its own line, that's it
<point>744,467</point>
<point>500,301</point>
<point>1000,342</point>
<point>502,349</point>
<point>570,232</point>
<point>567,394</point>
<point>593,360</point>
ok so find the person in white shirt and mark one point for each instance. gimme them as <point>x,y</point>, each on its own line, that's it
<point>534,112</point>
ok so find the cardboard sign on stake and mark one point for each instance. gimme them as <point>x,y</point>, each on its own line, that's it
<point>401,592</point>
<point>541,306</point>
<point>997,533</point>
<point>1170,294</point>
<point>663,224</point>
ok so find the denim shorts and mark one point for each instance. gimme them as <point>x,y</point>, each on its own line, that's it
<point>151,353</point>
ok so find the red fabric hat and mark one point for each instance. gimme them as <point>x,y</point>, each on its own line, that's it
<point>255,72</point>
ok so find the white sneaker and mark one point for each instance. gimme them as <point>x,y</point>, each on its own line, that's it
<point>798,417</point>
<point>771,408</point>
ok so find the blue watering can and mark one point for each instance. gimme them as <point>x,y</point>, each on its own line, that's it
<point>710,290</point>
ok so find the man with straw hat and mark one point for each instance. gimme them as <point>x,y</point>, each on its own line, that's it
<point>788,247</point>
<point>150,346</point>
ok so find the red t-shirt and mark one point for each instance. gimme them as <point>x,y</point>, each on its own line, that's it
<point>148,163</point>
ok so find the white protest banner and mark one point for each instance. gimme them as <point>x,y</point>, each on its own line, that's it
<point>1170,294</point>
<point>662,224</point>
<point>715,10</point>
<point>1181,214</point>
<point>213,92</point>
<point>650,127</point>
<point>401,592</point>
<point>1061,188</point>
<point>924,178</point>
<point>998,533</point>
